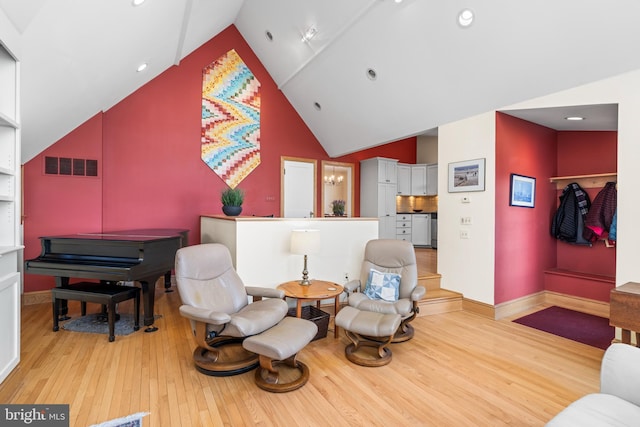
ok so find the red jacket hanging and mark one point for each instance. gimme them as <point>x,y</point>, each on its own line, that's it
<point>600,215</point>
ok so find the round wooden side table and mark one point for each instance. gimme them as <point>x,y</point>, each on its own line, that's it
<point>316,291</point>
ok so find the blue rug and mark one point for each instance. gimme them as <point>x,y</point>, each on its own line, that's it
<point>94,324</point>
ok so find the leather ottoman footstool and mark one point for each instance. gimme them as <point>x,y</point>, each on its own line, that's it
<point>280,345</point>
<point>368,329</point>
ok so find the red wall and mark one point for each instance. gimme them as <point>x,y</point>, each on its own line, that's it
<point>524,247</point>
<point>56,204</point>
<point>148,152</point>
<point>583,153</point>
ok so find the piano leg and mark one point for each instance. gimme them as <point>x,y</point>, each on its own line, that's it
<point>167,282</point>
<point>148,299</point>
<point>63,307</point>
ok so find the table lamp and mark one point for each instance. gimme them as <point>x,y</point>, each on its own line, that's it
<point>305,242</point>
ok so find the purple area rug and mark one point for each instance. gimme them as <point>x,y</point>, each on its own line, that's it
<point>574,325</point>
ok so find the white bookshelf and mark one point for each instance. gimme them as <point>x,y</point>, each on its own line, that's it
<point>10,206</point>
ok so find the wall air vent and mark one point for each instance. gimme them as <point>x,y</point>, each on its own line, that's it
<point>69,166</point>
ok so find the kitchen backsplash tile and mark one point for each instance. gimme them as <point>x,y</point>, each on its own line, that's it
<point>409,203</point>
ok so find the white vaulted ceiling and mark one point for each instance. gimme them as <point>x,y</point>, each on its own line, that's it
<point>78,57</point>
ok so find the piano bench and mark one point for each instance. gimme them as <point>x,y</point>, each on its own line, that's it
<point>106,294</point>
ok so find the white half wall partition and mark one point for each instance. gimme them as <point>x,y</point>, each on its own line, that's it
<point>261,247</point>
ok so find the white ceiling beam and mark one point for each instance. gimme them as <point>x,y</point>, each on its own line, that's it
<point>188,5</point>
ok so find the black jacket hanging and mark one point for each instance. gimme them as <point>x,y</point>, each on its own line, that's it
<point>568,222</point>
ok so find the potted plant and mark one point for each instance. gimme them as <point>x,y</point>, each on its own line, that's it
<point>232,199</point>
<point>338,207</point>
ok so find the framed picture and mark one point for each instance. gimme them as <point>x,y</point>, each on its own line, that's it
<point>522,191</point>
<point>466,176</point>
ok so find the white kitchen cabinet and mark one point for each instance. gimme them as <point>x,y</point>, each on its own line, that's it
<point>421,229</point>
<point>403,227</point>
<point>432,180</point>
<point>404,179</point>
<point>378,190</point>
<point>10,236</point>
<point>387,170</point>
<point>387,209</point>
<point>386,199</point>
<point>419,180</point>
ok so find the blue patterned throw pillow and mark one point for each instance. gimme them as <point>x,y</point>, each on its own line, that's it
<point>382,286</point>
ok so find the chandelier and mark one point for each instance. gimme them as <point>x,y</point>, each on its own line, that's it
<point>332,180</point>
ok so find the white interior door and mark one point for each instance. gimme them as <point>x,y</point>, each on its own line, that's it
<point>298,188</point>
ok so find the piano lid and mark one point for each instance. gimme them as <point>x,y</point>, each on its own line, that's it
<point>139,235</point>
<point>118,255</point>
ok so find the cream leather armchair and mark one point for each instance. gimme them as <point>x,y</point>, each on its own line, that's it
<point>390,256</point>
<point>216,303</point>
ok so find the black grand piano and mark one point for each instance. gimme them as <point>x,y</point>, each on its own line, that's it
<point>131,255</point>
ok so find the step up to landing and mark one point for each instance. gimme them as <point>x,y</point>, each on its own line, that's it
<point>438,301</point>
<point>430,281</point>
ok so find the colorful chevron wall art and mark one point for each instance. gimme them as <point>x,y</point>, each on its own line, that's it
<point>230,140</point>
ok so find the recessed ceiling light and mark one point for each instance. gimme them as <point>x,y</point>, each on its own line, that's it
<point>142,67</point>
<point>268,35</point>
<point>465,18</point>
<point>137,2</point>
<point>309,34</point>
<point>317,106</point>
<point>372,74</point>
<point>574,118</point>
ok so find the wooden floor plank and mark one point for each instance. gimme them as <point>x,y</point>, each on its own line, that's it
<point>460,369</point>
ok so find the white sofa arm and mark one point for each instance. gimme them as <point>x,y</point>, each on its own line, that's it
<point>620,374</point>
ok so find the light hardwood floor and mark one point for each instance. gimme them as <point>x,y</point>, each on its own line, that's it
<point>460,369</point>
<point>427,261</point>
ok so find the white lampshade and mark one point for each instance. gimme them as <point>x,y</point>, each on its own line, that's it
<point>305,242</point>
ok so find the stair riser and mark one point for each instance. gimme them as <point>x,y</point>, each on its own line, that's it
<point>448,305</point>
<point>430,283</point>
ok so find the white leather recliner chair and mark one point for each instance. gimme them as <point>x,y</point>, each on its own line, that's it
<point>216,303</point>
<point>394,257</point>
